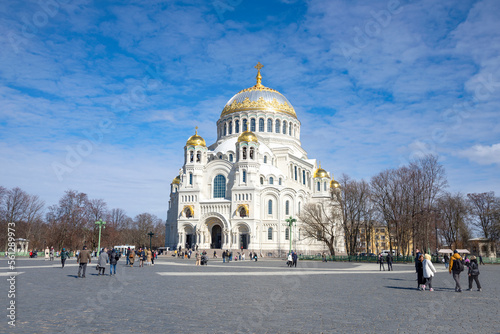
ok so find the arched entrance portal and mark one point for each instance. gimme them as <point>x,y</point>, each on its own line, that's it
<point>216,237</point>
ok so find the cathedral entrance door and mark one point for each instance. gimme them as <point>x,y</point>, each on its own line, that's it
<point>243,241</point>
<point>216,237</point>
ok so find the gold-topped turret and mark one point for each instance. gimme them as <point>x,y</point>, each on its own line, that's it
<point>320,172</point>
<point>196,140</point>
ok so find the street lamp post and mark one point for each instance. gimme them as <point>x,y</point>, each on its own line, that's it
<point>290,222</point>
<point>150,236</point>
<point>102,224</point>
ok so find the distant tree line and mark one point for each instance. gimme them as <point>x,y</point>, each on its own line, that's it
<point>71,222</point>
<point>412,203</point>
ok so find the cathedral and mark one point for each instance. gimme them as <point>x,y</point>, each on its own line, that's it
<point>246,190</point>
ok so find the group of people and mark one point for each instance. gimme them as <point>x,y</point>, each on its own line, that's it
<point>145,256</point>
<point>456,265</point>
<point>292,259</point>
<point>385,258</point>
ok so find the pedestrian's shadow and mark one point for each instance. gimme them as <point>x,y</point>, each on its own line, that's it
<point>400,287</point>
<point>74,276</point>
<point>396,279</point>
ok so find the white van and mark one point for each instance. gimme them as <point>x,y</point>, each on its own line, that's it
<point>386,252</point>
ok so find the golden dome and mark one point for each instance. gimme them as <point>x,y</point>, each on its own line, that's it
<point>247,136</point>
<point>176,180</point>
<point>320,172</point>
<point>259,97</point>
<point>196,140</point>
<point>334,184</point>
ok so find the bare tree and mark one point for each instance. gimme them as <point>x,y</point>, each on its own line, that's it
<point>353,199</point>
<point>483,206</point>
<point>319,221</point>
<point>454,211</point>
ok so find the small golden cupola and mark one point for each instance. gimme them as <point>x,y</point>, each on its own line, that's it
<point>176,180</point>
<point>196,140</point>
<point>320,172</point>
<point>247,136</point>
<point>334,184</point>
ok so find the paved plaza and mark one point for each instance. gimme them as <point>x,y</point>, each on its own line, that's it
<point>175,296</point>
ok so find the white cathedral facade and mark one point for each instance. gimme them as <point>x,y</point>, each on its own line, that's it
<point>238,192</point>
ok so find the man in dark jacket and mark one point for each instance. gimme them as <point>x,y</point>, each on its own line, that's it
<point>64,256</point>
<point>114,256</point>
<point>83,259</point>
<point>294,259</point>
<point>128,255</point>
<point>389,261</point>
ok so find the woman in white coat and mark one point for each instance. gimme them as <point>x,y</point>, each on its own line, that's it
<point>429,272</point>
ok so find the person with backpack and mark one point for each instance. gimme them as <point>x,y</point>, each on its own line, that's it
<point>456,267</point>
<point>114,256</point>
<point>474,273</point>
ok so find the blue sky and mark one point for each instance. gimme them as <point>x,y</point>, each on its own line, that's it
<point>101,96</point>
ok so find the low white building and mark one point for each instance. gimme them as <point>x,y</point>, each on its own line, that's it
<point>238,192</point>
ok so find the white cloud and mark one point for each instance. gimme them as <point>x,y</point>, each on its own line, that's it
<point>482,154</point>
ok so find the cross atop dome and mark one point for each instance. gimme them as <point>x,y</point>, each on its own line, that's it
<point>259,66</point>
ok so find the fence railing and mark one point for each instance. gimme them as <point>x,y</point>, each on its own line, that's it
<point>374,259</point>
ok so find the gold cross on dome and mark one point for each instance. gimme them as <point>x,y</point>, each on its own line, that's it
<point>196,129</point>
<point>259,77</point>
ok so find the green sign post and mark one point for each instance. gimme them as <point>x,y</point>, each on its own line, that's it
<point>102,224</point>
<point>290,222</point>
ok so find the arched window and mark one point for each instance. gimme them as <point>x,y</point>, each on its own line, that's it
<point>230,127</point>
<point>287,208</point>
<point>251,153</point>
<point>252,125</point>
<point>271,180</point>
<point>244,176</point>
<point>261,125</point>
<point>270,207</point>
<point>191,178</point>
<point>270,233</point>
<point>265,159</point>
<point>261,180</point>
<point>198,156</point>
<point>319,186</point>
<point>324,186</point>
<point>237,126</point>
<point>284,127</point>
<point>290,129</point>
<point>245,127</point>
<point>191,156</point>
<point>225,129</point>
<point>219,186</point>
<point>230,158</point>
<point>304,177</point>
<point>244,153</point>
<point>279,181</point>
<point>295,173</point>
<point>299,208</point>
<point>287,234</point>
<point>277,126</point>
<point>269,125</point>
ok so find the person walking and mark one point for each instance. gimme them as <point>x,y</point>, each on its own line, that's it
<point>289,260</point>
<point>428,272</point>
<point>102,261</point>
<point>47,253</point>
<point>446,260</point>
<point>381,261</point>
<point>82,259</point>
<point>51,253</point>
<point>389,262</point>
<point>294,259</point>
<point>481,259</point>
<point>223,256</point>
<point>456,267</point>
<point>131,258</point>
<point>148,257</point>
<point>142,258</point>
<point>197,256</point>
<point>64,256</point>
<point>113,260</point>
<point>420,272</point>
<point>474,273</point>
<point>127,254</point>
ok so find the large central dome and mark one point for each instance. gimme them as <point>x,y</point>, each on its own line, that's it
<point>259,97</point>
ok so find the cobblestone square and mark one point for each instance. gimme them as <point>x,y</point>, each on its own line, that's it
<point>175,296</point>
